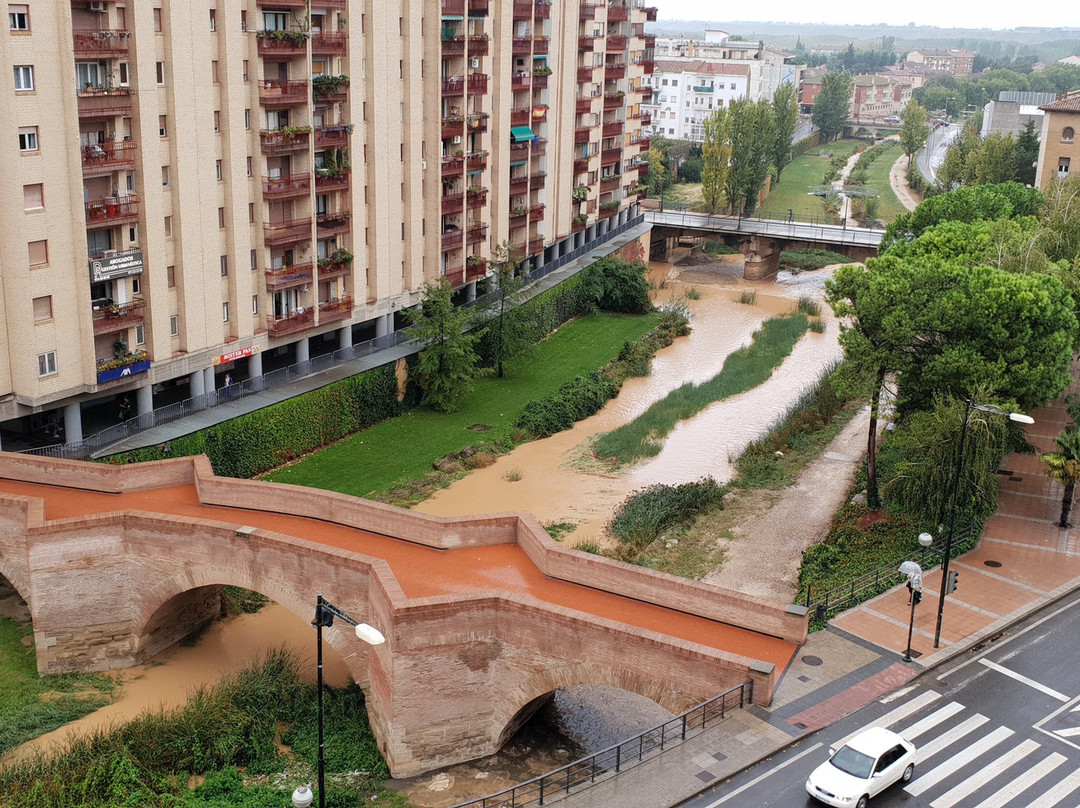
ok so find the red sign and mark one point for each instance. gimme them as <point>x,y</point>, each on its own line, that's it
<point>232,356</point>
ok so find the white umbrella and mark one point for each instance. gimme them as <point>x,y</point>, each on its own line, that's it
<point>914,574</point>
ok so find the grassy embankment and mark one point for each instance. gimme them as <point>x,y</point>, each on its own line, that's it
<point>806,170</point>
<point>403,448</point>
<point>877,177</point>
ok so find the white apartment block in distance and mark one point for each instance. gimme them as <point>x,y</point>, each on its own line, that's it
<point>767,66</point>
<point>685,93</point>
<point>203,191</point>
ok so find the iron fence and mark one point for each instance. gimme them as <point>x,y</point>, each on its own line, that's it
<point>550,787</point>
<point>798,229</point>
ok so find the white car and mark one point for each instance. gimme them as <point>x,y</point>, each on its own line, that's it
<point>862,768</point>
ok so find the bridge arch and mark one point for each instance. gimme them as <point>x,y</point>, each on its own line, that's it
<point>9,586</point>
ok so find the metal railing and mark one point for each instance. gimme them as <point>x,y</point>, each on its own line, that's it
<point>98,443</point>
<point>580,774</point>
<point>812,230</point>
<point>870,584</point>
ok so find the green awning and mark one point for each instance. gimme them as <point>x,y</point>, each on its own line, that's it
<point>518,163</point>
<point>520,133</point>
<point>452,17</point>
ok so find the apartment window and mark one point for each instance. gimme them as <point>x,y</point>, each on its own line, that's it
<point>162,126</point>
<point>136,286</point>
<point>214,71</point>
<point>174,326</point>
<point>221,222</point>
<point>224,258</point>
<point>42,308</point>
<point>168,226</point>
<point>46,364</point>
<point>124,75</point>
<point>245,67</point>
<point>213,21</point>
<point>251,213</point>
<point>733,85</point>
<point>674,82</point>
<point>33,198</point>
<point>1067,135</point>
<point>38,252</point>
<point>157,20</point>
<point>1063,167</point>
<point>160,70</point>
<point>275,20</point>
<point>225,312</point>
<point>217,169</point>
<point>140,335</point>
<point>24,78</point>
<point>164,176</point>
<point>19,17</point>
<point>247,118</point>
<point>249,166</point>
<point>170,276</point>
<point>243,27</point>
<point>217,120</point>
<point>254,259</point>
<point>254,304</point>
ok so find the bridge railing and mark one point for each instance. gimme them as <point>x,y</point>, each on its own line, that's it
<point>580,774</point>
<point>800,230</point>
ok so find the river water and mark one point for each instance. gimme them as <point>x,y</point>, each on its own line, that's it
<point>558,481</point>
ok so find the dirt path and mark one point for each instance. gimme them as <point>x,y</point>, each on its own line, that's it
<point>898,180</point>
<point>775,527</point>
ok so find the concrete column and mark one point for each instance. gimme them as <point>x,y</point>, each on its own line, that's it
<point>144,399</point>
<point>470,292</point>
<point>196,386</point>
<point>255,371</point>
<point>302,354</point>
<point>73,423</point>
<point>208,379</point>
<point>380,326</point>
<point>344,337</point>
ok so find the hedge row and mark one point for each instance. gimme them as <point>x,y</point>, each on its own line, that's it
<point>537,318</point>
<point>265,439</point>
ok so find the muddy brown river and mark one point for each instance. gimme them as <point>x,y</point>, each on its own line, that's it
<point>558,482</point>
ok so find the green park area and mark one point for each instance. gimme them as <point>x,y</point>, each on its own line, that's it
<point>804,172</point>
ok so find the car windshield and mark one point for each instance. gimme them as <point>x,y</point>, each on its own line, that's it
<point>853,762</point>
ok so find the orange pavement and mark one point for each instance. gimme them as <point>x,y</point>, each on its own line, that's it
<point>424,571</point>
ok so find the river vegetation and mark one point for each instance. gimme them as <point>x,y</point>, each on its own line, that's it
<point>224,738</point>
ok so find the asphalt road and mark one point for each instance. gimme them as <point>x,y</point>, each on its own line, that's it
<point>933,154</point>
<point>997,728</point>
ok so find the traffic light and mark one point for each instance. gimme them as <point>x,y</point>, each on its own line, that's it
<point>950,585</point>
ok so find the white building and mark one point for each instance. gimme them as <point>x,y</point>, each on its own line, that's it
<point>767,66</point>
<point>686,92</point>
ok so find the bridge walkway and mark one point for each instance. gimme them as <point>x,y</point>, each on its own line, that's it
<point>818,232</point>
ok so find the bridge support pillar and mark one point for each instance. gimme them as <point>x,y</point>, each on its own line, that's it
<point>762,258</point>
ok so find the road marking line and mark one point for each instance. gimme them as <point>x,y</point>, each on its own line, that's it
<point>984,775</point>
<point>1023,782</point>
<point>769,773</point>
<point>957,761</point>
<point>951,737</point>
<point>931,721</point>
<point>899,694</point>
<point>894,715</point>
<point>1058,792</point>
<point>1068,733</point>
<point>1025,680</point>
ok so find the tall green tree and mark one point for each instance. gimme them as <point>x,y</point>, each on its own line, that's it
<point>659,179</point>
<point>833,104</point>
<point>785,106</point>
<point>994,161</point>
<point>751,150</point>
<point>447,365</point>
<point>1064,467</point>
<point>507,338</point>
<point>1027,154</point>
<point>716,157</point>
<point>914,131</point>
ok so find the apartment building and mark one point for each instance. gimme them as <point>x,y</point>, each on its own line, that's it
<point>685,93</point>
<point>877,96</point>
<point>954,61</point>
<point>215,189</point>
<point>767,67</point>
<point>1058,142</point>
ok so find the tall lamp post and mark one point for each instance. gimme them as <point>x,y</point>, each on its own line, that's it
<point>946,554</point>
<point>324,618</point>
<point>914,573</point>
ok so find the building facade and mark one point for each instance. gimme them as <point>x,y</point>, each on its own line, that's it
<point>213,189</point>
<point>767,67</point>
<point>954,61</point>
<point>1012,111</point>
<point>685,93</point>
<point>879,97</point>
<point>1058,142</point>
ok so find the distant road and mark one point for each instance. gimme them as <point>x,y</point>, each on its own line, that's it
<point>932,156</point>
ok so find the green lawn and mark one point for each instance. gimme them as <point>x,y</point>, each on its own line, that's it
<point>403,448</point>
<point>877,176</point>
<point>804,171</point>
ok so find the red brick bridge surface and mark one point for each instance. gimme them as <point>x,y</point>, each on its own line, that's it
<point>484,616</point>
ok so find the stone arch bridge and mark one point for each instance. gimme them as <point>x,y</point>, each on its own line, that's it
<point>484,616</point>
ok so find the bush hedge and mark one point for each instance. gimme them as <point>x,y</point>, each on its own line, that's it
<point>812,259</point>
<point>536,318</point>
<point>645,515</point>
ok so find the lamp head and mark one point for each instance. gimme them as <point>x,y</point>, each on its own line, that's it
<point>369,634</point>
<point>925,539</point>
<point>1020,418</point>
<point>302,797</point>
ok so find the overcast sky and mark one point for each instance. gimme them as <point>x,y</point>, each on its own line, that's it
<point>861,12</point>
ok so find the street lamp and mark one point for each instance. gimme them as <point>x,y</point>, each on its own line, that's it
<point>914,574</point>
<point>969,405</point>
<point>324,618</point>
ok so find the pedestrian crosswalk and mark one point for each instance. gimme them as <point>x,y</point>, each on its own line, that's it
<point>967,761</point>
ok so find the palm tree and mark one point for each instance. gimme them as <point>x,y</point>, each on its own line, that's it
<point>1064,466</point>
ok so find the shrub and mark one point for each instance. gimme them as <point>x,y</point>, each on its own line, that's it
<point>812,259</point>
<point>809,306</point>
<point>748,297</point>
<point>612,284</point>
<point>645,515</point>
<point>719,248</point>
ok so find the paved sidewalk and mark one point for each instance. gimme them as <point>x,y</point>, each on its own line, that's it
<point>1023,563</point>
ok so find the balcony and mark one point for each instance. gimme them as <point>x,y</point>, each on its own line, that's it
<point>538,180</point>
<point>522,45</point>
<point>453,43</point>
<point>100,43</point>
<point>474,270</point>
<point>453,126</point>
<point>333,223</point>
<point>520,116</point>
<point>104,158</point>
<point>617,13</point>
<point>476,196</point>
<point>452,203</point>
<point>648,66</point>
<point>284,141</point>
<point>586,42</point>
<point>585,74</point>
<point>330,268</point>
<point>104,102</point>
<point>287,232</point>
<point>284,277</point>
<point>455,277</point>
<point>613,129</point>
<point>519,217</point>
<point>614,71</point>
<point>293,323</point>
<point>278,93</point>
<point>610,157</point>
<point>617,42</point>
<point>326,43</point>
<point>118,317</point>
<point>541,44</point>
<point>329,87</point>
<point>452,166</point>
<point>476,233</point>
<point>289,44</point>
<point>331,311</point>
<point>326,181</point>
<point>539,147</point>
<point>117,367</point>
<point>332,137</point>
<point>477,83</point>
<point>536,246</point>
<point>287,186</point>
<point>581,135</point>
<point>454,7</point>
<point>540,82</point>
<point>587,11</point>
<point>650,41</point>
<point>478,122</point>
<point>610,183</point>
<point>523,10</point>
<point>478,8</point>
<point>646,118</point>
<point>539,113</point>
<point>285,3</point>
<point>452,239</point>
<point>650,13</point>
<point>520,81</point>
<point>111,210</point>
<point>536,213</point>
<point>479,44</point>
<point>613,100</point>
<point>608,209</point>
<point>581,165</point>
<point>583,105</point>
<point>476,161</point>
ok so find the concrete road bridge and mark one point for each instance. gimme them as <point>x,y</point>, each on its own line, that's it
<point>485,617</point>
<point>760,240</point>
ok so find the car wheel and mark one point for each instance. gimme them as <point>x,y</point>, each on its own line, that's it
<point>910,770</point>
<point>863,802</point>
